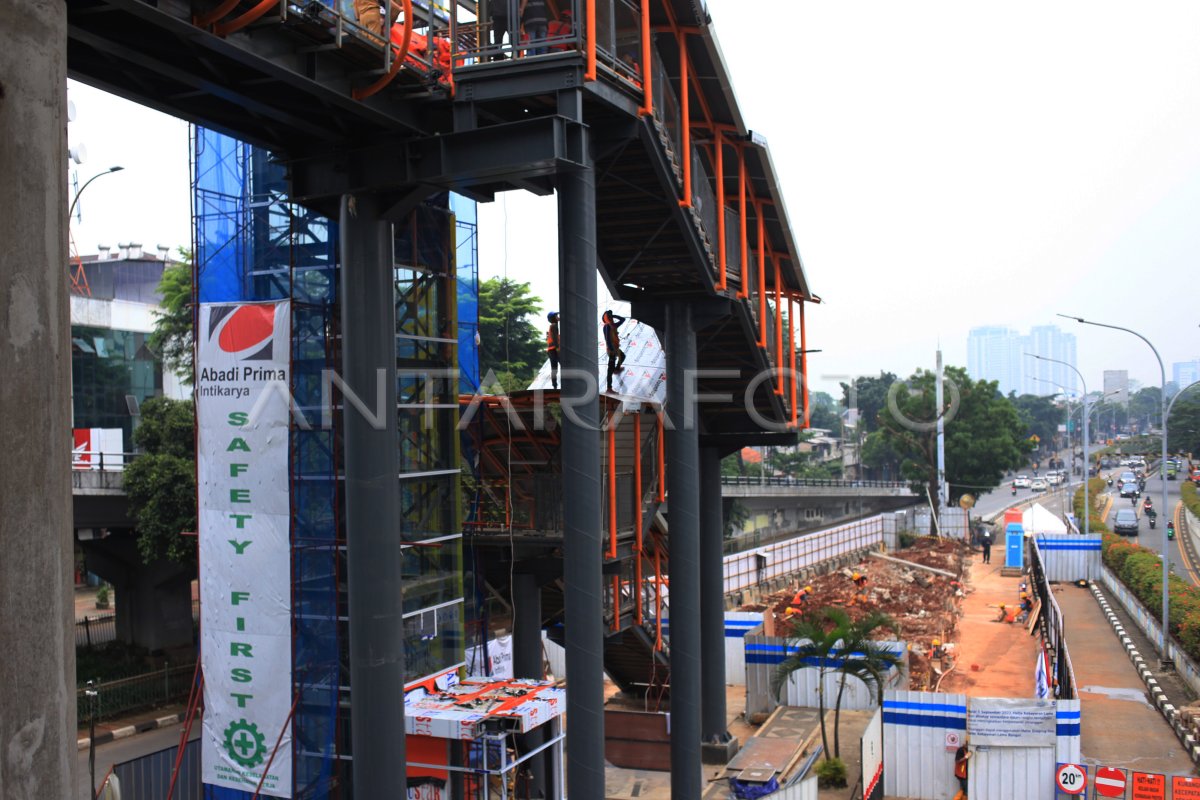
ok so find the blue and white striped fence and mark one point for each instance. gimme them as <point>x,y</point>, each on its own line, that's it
<point>1067,557</point>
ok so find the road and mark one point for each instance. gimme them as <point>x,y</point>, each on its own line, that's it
<point>123,750</point>
<point>1153,539</point>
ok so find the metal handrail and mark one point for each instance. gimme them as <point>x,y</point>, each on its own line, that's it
<point>749,480</point>
<point>117,460</point>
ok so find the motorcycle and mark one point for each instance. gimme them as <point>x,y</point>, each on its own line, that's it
<point>1110,481</point>
<point>1014,490</point>
<point>1170,530</point>
<point>1153,521</point>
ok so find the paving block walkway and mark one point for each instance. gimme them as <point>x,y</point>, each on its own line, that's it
<point>1120,727</point>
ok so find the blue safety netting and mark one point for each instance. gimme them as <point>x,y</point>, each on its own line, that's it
<point>252,244</point>
<point>467,264</point>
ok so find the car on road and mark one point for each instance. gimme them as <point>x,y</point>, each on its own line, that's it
<point>1038,485</point>
<point>1126,523</point>
<point>1021,482</point>
<point>1130,488</point>
<point>1172,470</point>
<point>1056,478</point>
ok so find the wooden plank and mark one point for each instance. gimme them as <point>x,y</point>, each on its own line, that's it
<point>763,754</point>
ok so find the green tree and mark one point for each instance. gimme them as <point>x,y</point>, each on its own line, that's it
<point>823,412</point>
<point>984,434</point>
<point>865,659</point>
<point>172,335</point>
<point>1183,434</point>
<point>870,397</point>
<point>1039,414</point>
<point>1145,408</point>
<point>161,482</point>
<point>510,345</point>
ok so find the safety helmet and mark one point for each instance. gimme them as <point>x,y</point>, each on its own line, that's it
<point>808,588</point>
<point>1002,605</point>
<point>936,642</point>
<point>552,316</point>
<point>855,576</point>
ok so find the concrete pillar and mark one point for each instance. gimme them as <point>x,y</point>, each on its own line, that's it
<point>683,516</point>
<point>37,695</point>
<point>583,613</point>
<point>527,663</point>
<point>372,466</point>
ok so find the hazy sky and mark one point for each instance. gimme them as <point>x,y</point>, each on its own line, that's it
<point>945,165</point>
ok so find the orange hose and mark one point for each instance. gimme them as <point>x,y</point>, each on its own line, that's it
<point>647,65</point>
<point>616,584</point>
<point>237,23</point>
<point>204,20</point>
<point>384,80</point>
<point>658,597</point>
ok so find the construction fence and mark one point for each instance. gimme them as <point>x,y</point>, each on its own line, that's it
<point>135,693</point>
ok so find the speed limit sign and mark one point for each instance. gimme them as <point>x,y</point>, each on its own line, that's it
<point>1071,778</point>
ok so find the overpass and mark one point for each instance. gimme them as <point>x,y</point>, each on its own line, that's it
<point>663,190</point>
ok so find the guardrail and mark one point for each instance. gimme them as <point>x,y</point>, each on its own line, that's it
<point>748,480</point>
<point>135,693</point>
<point>100,460</point>
<point>96,630</point>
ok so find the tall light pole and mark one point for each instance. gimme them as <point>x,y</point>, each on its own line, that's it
<point>1066,403</point>
<point>74,202</point>
<point>1087,461</point>
<point>1162,474</point>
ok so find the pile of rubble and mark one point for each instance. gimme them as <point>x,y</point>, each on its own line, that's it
<point>920,587</point>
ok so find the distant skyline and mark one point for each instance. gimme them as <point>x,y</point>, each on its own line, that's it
<point>944,165</point>
<point>1000,354</point>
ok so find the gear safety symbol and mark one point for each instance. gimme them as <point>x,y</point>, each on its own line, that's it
<point>244,744</point>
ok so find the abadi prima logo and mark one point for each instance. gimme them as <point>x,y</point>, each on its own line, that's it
<point>245,331</point>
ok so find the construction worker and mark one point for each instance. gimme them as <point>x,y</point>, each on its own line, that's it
<point>800,598</point>
<point>552,347</point>
<point>961,756</point>
<point>1026,607</point>
<point>1005,615</point>
<point>612,343</point>
<point>860,588</point>
<point>369,16</point>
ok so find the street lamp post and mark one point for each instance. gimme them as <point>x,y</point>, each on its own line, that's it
<point>1087,461</point>
<point>1162,474</point>
<point>1066,403</point>
<point>109,171</point>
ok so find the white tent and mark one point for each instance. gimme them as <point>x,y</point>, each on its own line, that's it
<point>1039,519</point>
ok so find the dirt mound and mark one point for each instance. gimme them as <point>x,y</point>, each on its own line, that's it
<point>925,604</point>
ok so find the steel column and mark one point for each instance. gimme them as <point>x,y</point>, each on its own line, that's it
<point>712,600</point>
<point>683,509</point>
<point>527,663</point>
<point>373,556</point>
<point>581,465</point>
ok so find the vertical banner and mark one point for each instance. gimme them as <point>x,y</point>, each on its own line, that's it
<point>872,758</point>
<point>242,408</point>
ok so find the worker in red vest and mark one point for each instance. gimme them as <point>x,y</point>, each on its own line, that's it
<point>612,343</point>
<point>552,347</point>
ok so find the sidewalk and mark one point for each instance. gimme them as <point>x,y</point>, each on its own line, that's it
<point>1120,727</point>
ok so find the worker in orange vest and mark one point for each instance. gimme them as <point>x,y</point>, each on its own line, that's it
<point>552,347</point>
<point>860,588</point>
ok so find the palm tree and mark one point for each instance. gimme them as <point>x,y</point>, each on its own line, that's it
<point>865,659</point>
<point>831,642</point>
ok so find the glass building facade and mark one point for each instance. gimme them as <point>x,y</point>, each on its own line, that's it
<point>108,367</point>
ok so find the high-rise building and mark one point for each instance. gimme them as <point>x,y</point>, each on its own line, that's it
<point>1185,372</point>
<point>1116,383</point>
<point>1000,354</point>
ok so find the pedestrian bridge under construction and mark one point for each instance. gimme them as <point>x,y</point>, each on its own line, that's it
<point>626,111</point>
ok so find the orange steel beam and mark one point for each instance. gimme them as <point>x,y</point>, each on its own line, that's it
<point>792,356</point>
<point>612,484</point>
<point>662,457</point>
<point>637,516</point>
<point>804,362</point>
<point>743,240</point>
<point>590,13</point>
<point>762,278</point>
<point>778,327</point>
<point>647,65</point>
<point>720,178</point>
<point>685,128</point>
<point>384,80</point>
<point>204,20</point>
<point>236,24</point>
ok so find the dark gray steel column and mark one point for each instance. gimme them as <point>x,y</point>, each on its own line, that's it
<point>527,663</point>
<point>581,479</point>
<point>683,517</point>
<point>372,464</point>
<point>712,601</point>
<point>37,626</point>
